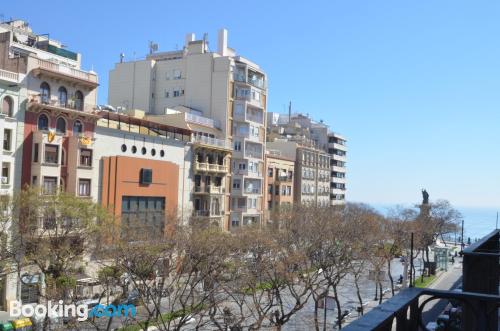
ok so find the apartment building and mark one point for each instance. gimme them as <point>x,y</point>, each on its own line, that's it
<point>47,125</point>
<point>337,150</point>
<point>302,129</point>
<point>9,102</point>
<point>222,86</point>
<point>279,183</point>
<point>312,172</point>
<point>211,155</point>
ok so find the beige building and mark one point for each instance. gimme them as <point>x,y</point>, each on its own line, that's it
<point>279,178</point>
<point>211,155</point>
<point>221,86</point>
<point>312,172</point>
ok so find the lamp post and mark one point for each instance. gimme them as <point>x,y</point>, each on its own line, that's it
<point>462,244</point>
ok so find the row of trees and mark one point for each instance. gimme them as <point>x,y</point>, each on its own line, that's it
<point>255,278</point>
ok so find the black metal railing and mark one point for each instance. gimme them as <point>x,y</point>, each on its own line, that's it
<point>479,302</point>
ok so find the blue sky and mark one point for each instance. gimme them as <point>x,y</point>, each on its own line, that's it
<point>413,85</point>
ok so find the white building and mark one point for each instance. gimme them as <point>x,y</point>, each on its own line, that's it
<point>219,85</point>
<point>337,150</point>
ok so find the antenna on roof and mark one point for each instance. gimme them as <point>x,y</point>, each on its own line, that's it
<point>153,47</point>
<point>122,56</point>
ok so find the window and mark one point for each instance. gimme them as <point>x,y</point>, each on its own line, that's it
<point>283,190</point>
<point>270,172</point>
<point>86,157</point>
<point>177,93</point>
<point>84,187</point>
<point>5,173</point>
<point>35,153</point>
<point>277,190</point>
<point>45,93</point>
<point>77,127</point>
<point>7,143</point>
<point>270,188</point>
<point>288,190</point>
<point>146,176</point>
<point>242,166</point>
<point>177,74</point>
<point>43,122</point>
<point>49,185</point>
<point>237,145</point>
<point>63,96</point>
<point>144,212</point>
<point>78,100</point>
<point>7,106</point>
<point>51,154</point>
<point>167,94</point>
<point>61,125</point>
<point>236,184</point>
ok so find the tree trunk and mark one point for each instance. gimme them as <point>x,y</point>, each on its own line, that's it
<point>381,293</point>
<point>337,301</point>
<point>390,275</point>
<point>316,321</point>
<point>325,295</point>
<point>358,293</point>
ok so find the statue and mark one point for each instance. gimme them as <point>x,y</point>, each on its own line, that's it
<point>425,197</point>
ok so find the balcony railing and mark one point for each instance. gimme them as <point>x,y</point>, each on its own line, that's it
<point>480,300</point>
<point>211,141</point>
<point>208,213</point>
<point>202,120</point>
<point>211,167</point>
<point>9,76</point>
<point>211,189</point>
<point>62,69</point>
<point>70,104</point>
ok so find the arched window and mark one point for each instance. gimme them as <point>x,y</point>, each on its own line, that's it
<point>45,92</point>
<point>43,122</point>
<point>78,100</point>
<point>63,96</point>
<point>7,106</point>
<point>77,127</point>
<point>61,125</point>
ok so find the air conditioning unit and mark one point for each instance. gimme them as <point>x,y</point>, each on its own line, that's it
<point>5,180</point>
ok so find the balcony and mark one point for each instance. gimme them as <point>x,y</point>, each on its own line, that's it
<point>340,147</point>
<point>36,103</point>
<point>9,76</point>
<point>210,167</point>
<point>211,142</point>
<point>479,299</point>
<point>209,189</point>
<point>208,213</point>
<point>205,121</point>
<point>62,72</point>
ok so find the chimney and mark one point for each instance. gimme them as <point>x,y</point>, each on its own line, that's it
<point>189,37</point>
<point>222,42</point>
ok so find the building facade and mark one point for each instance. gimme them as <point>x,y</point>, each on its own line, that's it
<point>312,172</point>
<point>279,184</point>
<point>302,129</point>
<point>337,150</point>
<point>222,86</point>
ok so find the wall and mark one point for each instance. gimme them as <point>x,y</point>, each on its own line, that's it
<point>121,177</point>
<point>108,142</point>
